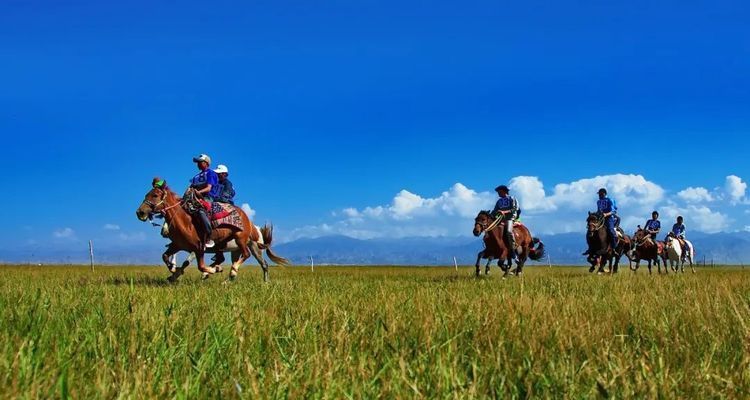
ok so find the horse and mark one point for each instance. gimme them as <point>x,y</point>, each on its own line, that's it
<point>266,233</point>
<point>597,238</point>
<point>624,247</point>
<point>185,236</point>
<point>527,247</point>
<point>648,249</point>
<point>676,257</point>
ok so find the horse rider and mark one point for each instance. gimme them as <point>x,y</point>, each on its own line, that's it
<point>226,190</point>
<point>507,208</point>
<point>205,184</point>
<point>678,231</point>
<point>653,226</point>
<point>605,206</point>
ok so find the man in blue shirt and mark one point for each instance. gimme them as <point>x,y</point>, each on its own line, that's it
<point>507,208</point>
<point>226,190</point>
<point>653,226</point>
<point>206,184</point>
<point>678,229</point>
<point>605,206</point>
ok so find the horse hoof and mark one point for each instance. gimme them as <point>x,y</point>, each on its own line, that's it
<point>173,269</point>
<point>205,276</point>
<point>219,269</point>
<point>171,279</point>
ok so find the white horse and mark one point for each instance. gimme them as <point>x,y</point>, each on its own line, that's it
<point>674,252</point>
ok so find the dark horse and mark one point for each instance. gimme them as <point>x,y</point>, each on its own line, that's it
<point>497,246</point>
<point>648,249</point>
<point>597,237</point>
<point>185,236</point>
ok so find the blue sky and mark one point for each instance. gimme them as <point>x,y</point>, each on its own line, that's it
<point>321,107</point>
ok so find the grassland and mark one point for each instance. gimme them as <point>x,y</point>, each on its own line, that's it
<point>122,332</point>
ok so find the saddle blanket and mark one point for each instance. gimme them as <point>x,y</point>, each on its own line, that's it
<point>223,214</point>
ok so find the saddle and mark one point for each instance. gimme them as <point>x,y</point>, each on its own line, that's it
<point>223,214</point>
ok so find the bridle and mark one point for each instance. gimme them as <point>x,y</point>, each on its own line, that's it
<point>596,225</point>
<point>163,199</point>
<point>488,226</point>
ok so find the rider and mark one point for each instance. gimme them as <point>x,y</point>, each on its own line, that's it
<point>226,190</point>
<point>653,226</point>
<point>206,184</point>
<point>678,231</point>
<point>605,206</point>
<point>507,207</point>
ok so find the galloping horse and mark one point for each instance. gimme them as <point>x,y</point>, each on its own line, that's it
<point>648,249</point>
<point>676,257</point>
<point>497,248</point>
<point>598,241</point>
<point>185,237</point>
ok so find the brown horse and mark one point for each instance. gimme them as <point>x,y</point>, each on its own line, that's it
<point>597,238</point>
<point>648,249</point>
<point>185,236</point>
<point>496,246</point>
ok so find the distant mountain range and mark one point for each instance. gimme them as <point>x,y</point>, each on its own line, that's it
<point>563,249</point>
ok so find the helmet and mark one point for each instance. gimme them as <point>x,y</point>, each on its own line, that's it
<point>602,190</point>
<point>202,158</point>
<point>222,169</point>
<point>502,188</point>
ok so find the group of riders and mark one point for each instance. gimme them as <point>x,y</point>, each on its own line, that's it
<point>508,209</point>
<point>210,185</point>
<point>213,185</point>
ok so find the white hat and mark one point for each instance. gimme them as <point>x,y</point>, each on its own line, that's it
<point>202,157</point>
<point>221,169</point>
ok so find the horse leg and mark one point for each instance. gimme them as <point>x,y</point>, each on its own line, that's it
<point>258,254</point>
<point>188,260</point>
<point>202,265</point>
<point>167,257</point>
<point>487,267</point>
<point>235,256</point>
<point>219,260</point>
<point>479,262</point>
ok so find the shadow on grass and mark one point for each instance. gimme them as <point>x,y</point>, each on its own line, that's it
<point>151,281</point>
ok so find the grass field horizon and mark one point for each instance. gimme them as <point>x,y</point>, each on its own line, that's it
<point>372,331</point>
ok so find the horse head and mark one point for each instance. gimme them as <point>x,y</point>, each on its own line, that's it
<point>482,221</point>
<point>153,202</point>
<point>595,221</point>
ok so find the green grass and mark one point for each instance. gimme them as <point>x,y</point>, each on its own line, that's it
<point>122,332</point>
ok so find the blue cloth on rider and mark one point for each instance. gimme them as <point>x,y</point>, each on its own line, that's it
<point>226,192</point>
<point>206,177</point>
<point>679,230</point>
<point>506,203</point>
<point>605,205</point>
<point>653,225</point>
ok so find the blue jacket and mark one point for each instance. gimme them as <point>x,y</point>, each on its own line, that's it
<point>653,225</point>
<point>507,203</point>
<point>207,177</point>
<point>605,205</point>
<point>226,192</point>
<point>678,230</point>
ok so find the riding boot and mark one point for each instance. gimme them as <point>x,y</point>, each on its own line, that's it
<point>207,225</point>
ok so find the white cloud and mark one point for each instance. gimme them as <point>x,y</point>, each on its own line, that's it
<point>64,233</point>
<point>735,189</point>
<point>249,211</point>
<point>695,195</point>
<point>561,209</point>
<point>700,218</point>
<point>111,227</point>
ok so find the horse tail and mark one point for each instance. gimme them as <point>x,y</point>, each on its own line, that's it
<point>537,251</point>
<point>267,232</point>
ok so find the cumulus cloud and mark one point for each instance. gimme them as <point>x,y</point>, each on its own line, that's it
<point>696,195</point>
<point>560,209</point>
<point>111,227</point>
<point>735,189</point>
<point>700,218</point>
<point>249,211</point>
<point>64,233</point>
